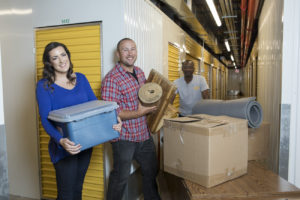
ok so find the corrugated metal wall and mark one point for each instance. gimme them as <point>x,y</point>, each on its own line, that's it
<point>83,41</point>
<point>249,86</point>
<point>262,73</point>
<point>269,70</point>
<point>143,23</point>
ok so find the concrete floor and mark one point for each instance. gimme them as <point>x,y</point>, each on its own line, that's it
<point>163,189</point>
<point>19,198</point>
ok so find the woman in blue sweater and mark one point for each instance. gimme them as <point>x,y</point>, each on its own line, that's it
<point>61,87</point>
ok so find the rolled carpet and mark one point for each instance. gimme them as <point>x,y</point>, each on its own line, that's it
<point>246,108</point>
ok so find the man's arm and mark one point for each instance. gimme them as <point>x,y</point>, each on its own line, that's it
<point>133,114</point>
<point>204,88</point>
<point>205,94</point>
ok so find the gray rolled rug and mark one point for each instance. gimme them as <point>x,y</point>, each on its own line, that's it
<point>245,108</point>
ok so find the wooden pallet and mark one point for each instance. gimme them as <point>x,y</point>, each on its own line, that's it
<point>168,95</point>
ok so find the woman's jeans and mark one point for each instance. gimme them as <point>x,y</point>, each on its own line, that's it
<point>123,154</point>
<point>70,173</point>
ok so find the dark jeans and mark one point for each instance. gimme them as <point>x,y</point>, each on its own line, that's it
<point>70,173</point>
<point>123,154</point>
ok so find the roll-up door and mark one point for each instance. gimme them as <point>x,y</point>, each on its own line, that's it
<point>83,41</point>
<point>205,72</point>
<point>173,67</point>
<point>214,82</point>
<point>223,82</point>
<point>219,95</point>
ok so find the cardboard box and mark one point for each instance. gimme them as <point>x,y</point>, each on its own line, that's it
<point>258,142</point>
<point>87,124</point>
<point>205,149</point>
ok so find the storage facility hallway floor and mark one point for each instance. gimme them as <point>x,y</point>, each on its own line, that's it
<point>163,188</point>
<point>258,184</point>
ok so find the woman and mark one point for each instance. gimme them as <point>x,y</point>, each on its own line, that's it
<point>59,88</point>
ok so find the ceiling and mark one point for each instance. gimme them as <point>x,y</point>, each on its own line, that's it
<point>197,20</point>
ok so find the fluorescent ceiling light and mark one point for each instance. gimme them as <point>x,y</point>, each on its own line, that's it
<point>227,45</point>
<point>232,58</point>
<point>214,12</point>
<point>16,12</point>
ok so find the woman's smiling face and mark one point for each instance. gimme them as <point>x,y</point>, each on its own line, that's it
<point>59,60</point>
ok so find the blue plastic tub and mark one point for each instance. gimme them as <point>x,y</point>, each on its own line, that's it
<point>87,124</point>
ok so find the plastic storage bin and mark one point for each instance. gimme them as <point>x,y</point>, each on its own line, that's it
<point>87,124</point>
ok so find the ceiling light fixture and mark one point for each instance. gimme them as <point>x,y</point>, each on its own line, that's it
<point>16,12</point>
<point>227,45</point>
<point>232,58</point>
<point>214,12</point>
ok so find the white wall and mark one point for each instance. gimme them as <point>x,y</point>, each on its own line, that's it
<point>4,187</point>
<point>143,23</point>
<point>1,92</point>
<point>19,96</point>
<point>110,13</point>
<point>290,84</point>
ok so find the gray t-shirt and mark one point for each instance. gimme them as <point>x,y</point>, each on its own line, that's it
<point>190,93</point>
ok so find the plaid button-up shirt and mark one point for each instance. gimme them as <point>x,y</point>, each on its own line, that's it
<point>120,86</point>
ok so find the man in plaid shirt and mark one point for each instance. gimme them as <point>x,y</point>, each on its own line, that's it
<point>121,85</point>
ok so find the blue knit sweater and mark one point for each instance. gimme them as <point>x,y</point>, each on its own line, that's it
<point>51,99</point>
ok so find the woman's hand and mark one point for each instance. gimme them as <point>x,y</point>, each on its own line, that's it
<point>118,126</point>
<point>70,146</point>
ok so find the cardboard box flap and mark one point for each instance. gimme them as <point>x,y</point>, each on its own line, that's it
<point>183,119</point>
<point>198,122</point>
<point>223,118</point>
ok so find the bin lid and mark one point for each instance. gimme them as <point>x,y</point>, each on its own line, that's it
<point>81,111</point>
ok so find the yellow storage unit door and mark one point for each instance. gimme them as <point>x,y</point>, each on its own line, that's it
<point>219,84</point>
<point>173,67</point>
<point>83,41</point>
<point>205,72</point>
<point>214,82</point>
